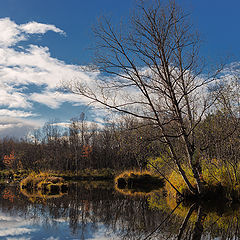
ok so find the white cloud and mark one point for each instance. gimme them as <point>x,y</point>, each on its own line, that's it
<point>12,98</point>
<point>16,113</point>
<point>35,66</point>
<point>40,28</point>
<point>10,34</point>
<point>17,127</point>
<point>48,98</point>
<point>15,231</point>
<point>30,75</point>
<point>54,99</point>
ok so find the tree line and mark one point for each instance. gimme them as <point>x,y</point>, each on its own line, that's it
<point>122,144</point>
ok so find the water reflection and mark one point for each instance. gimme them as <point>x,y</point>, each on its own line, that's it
<point>99,212</point>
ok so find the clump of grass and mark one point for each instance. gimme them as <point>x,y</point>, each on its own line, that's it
<point>20,174</point>
<point>143,181</point>
<point>43,182</point>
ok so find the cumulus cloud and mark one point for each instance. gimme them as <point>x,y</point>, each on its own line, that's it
<point>54,99</point>
<point>25,69</point>
<point>18,126</point>
<point>35,27</point>
<point>16,113</point>
<point>12,33</point>
<point>12,98</point>
<point>35,66</point>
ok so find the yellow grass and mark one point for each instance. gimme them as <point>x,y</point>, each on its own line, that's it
<point>131,173</point>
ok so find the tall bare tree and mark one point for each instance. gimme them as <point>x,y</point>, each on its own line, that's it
<point>154,73</point>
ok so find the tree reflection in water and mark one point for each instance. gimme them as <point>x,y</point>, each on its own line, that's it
<point>87,209</point>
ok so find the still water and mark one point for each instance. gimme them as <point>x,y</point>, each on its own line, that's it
<point>98,211</point>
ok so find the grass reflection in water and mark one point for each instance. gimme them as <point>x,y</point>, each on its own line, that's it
<point>90,210</point>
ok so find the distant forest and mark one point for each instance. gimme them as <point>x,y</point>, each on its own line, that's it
<point>123,144</point>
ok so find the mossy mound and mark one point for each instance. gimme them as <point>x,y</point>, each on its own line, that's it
<point>44,183</point>
<point>141,181</point>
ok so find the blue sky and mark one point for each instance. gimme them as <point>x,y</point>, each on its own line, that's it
<point>14,227</point>
<point>43,43</point>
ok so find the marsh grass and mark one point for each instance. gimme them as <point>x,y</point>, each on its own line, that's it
<point>43,184</point>
<point>221,181</point>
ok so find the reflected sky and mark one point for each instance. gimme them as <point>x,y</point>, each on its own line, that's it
<point>90,213</point>
<point>15,227</point>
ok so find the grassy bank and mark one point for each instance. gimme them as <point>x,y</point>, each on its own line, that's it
<point>82,175</point>
<point>220,181</point>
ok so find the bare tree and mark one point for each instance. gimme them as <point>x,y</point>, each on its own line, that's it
<point>154,73</point>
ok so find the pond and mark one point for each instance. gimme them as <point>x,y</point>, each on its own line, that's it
<point>98,211</point>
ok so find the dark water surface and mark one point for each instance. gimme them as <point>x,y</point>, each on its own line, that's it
<point>97,211</point>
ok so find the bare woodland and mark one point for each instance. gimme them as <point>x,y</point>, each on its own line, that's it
<point>167,102</point>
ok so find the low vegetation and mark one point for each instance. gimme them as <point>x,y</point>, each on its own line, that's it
<point>44,183</point>
<point>221,180</point>
<point>141,181</point>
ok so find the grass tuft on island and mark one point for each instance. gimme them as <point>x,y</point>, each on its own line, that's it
<point>139,181</point>
<point>45,183</point>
